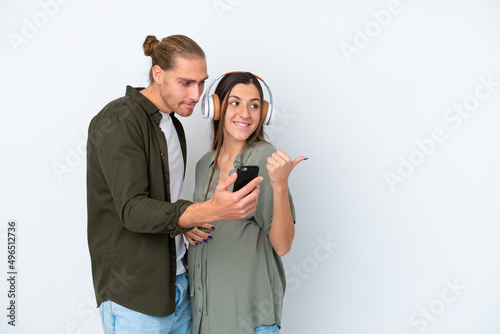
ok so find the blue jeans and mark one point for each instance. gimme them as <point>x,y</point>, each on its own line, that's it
<point>272,329</point>
<point>117,319</point>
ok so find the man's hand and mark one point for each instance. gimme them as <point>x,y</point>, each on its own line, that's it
<point>226,205</point>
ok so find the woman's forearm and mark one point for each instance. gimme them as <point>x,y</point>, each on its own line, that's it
<point>282,229</point>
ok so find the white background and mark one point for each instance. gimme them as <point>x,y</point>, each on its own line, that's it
<point>368,257</point>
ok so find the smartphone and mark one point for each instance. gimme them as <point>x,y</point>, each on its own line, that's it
<point>245,175</point>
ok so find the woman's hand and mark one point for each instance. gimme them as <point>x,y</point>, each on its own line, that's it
<point>279,165</point>
<point>196,236</point>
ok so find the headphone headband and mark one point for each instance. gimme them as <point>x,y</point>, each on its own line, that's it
<point>211,104</point>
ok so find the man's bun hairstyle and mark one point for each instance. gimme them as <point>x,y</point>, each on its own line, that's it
<point>165,52</point>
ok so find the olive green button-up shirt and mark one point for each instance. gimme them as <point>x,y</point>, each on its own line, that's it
<point>131,222</point>
<point>237,281</point>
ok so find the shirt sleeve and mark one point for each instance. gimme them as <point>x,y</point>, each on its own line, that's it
<point>120,149</point>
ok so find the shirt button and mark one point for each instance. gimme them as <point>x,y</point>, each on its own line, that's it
<point>162,154</point>
<point>199,288</point>
<point>199,265</point>
<point>199,310</point>
<point>172,268</point>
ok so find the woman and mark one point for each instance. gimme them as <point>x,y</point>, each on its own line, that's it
<point>237,279</point>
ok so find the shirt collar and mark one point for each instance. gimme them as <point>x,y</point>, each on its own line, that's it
<point>237,161</point>
<point>146,104</point>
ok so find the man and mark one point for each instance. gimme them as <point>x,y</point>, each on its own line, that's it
<point>136,159</point>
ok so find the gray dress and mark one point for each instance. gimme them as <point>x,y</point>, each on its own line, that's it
<point>237,281</point>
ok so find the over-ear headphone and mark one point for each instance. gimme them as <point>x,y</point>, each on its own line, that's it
<point>211,108</point>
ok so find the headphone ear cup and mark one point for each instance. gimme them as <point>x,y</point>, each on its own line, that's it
<point>265,109</point>
<point>205,106</point>
<point>267,113</point>
<point>216,107</point>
